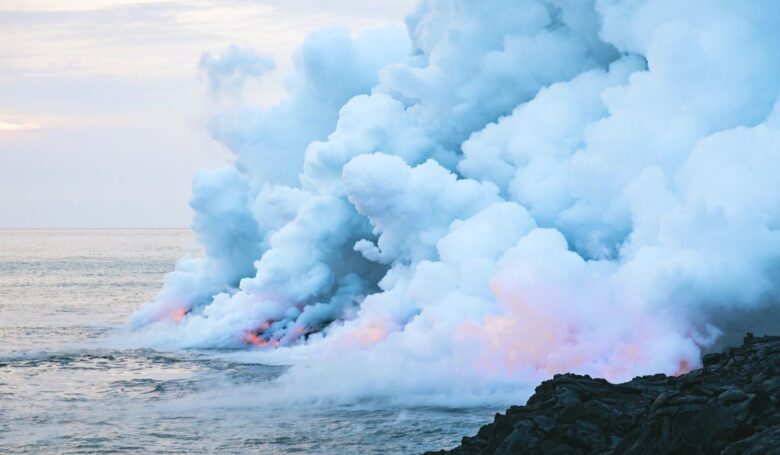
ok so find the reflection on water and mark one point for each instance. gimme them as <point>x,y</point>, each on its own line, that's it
<point>64,389</point>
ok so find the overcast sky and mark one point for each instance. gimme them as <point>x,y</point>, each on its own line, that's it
<point>102,106</point>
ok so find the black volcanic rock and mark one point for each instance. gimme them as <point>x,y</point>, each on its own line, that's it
<point>731,406</point>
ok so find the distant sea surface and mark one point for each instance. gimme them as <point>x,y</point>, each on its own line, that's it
<point>65,389</point>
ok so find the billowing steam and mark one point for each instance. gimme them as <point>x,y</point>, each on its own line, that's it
<point>515,188</point>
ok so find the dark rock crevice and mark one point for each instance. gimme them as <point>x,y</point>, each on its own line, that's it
<point>731,406</point>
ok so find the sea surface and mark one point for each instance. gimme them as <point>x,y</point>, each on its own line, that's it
<point>66,388</point>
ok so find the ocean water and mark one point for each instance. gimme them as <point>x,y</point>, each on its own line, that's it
<point>66,388</point>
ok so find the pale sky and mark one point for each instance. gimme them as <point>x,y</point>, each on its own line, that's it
<point>102,106</point>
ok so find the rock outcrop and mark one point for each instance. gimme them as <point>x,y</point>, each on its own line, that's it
<point>730,406</point>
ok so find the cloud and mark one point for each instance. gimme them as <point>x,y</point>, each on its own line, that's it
<point>13,126</point>
<point>519,189</point>
<point>229,69</point>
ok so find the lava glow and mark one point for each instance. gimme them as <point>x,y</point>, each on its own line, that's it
<point>370,333</point>
<point>178,314</point>
<point>534,335</point>
<point>683,368</point>
<point>253,339</point>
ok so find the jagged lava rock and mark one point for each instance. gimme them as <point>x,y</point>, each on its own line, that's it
<point>730,406</point>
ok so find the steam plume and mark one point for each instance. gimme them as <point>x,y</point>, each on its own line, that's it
<point>513,188</point>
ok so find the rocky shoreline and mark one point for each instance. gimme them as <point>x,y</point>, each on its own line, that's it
<point>730,406</point>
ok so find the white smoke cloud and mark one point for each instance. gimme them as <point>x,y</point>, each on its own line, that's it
<point>229,70</point>
<point>530,187</point>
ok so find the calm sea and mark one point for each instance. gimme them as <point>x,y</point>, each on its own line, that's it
<point>64,388</point>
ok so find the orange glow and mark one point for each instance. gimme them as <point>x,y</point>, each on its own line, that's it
<point>254,340</point>
<point>371,333</point>
<point>521,338</point>
<point>535,332</point>
<point>178,314</point>
<point>682,368</point>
